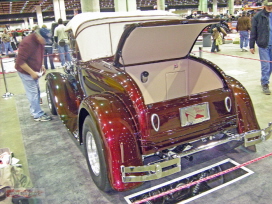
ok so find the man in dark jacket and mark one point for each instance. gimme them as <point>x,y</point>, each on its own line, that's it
<point>29,64</point>
<point>261,33</point>
<point>243,26</point>
<point>48,48</point>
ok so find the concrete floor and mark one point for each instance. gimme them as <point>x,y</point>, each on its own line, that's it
<point>56,164</point>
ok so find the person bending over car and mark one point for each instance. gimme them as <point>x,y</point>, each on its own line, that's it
<point>29,64</point>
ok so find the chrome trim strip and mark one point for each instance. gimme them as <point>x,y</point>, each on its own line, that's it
<point>228,107</point>
<point>152,122</point>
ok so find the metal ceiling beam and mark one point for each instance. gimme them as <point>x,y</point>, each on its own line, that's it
<point>27,15</point>
<point>15,0</point>
<point>35,21</point>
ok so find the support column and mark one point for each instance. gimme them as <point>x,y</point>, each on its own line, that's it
<point>199,5</point>
<point>203,6</point>
<point>125,5</point>
<point>56,9</point>
<point>214,7</point>
<point>161,5</point>
<point>59,10</point>
<point>31,23</point>
<point>62,10</point>
<point>90,6</point>
<point>231,6</point>
<point>224,10</point>
<point>120,5</point>
<point>39,16</point>
<point>131,5</point>
<point>26,23</point>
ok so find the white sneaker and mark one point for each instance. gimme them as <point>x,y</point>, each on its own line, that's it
<point>245,49</point>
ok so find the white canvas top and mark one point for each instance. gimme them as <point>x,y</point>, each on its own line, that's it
<point>98,34</point>
<point>109,17</point>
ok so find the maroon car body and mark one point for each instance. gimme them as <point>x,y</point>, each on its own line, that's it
<point>138,101</point>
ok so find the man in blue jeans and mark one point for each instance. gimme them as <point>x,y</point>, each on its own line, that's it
<point>6,40</point>
<point>29,66</point>
<point>261,33</point>
<point>61,37</point>
<point>243,26</point>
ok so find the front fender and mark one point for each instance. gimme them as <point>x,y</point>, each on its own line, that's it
<point>65,97</point>
<point>118,131</point>
<point>247,119</point>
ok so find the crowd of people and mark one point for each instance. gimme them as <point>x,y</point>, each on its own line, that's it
<point>9,43</point>
<point>254,30</point>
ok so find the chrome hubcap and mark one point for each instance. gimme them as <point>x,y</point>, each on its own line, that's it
<point>92,153</point>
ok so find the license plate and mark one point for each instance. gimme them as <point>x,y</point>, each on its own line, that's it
<point>191,115</point>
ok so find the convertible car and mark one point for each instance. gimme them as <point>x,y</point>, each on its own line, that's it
<point>139,101</point>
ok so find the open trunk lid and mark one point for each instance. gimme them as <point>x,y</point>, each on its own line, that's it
<point>157,41</point>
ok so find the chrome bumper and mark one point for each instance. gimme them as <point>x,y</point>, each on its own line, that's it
<point>258,136</point>
<point>171,166</point>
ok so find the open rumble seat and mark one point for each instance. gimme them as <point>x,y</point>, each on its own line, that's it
<point>173,79</point>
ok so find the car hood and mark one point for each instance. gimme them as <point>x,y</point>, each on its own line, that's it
<point>158,41</point>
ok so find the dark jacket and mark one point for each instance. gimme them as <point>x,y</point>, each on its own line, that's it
<point>243,24</point>
<point>31,53</point>
<point>260,30</point>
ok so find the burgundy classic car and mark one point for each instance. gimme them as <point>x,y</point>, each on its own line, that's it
<point>139,101</point>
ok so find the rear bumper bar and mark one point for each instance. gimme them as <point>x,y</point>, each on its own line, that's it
<point>172,165</point>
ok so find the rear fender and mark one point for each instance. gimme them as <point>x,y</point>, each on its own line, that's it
<point>118,133</point>
<point>247,119</point>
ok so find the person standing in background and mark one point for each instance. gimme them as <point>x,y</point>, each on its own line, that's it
<point>61,38</point>
<point>261,34</point>
<point>1,46</point>
<point>244,26</point>
<point>217,38</point>
<point>48,49</point>
<point>6,40</point>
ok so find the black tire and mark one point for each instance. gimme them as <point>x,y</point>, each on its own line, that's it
<point>50,101</point>
<point>94,152</point>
